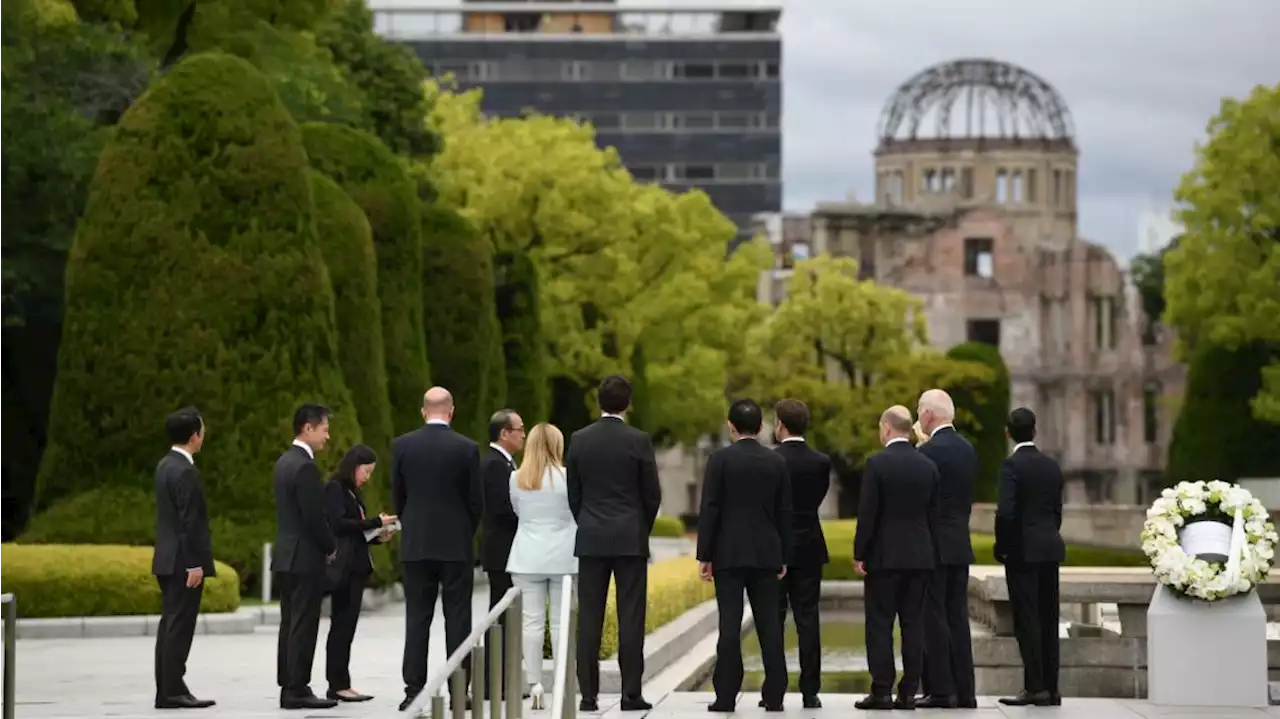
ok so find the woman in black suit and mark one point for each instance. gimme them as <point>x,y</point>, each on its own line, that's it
<point>347,573</point>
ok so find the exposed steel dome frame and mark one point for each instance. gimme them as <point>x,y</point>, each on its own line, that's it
<point>996,99</point>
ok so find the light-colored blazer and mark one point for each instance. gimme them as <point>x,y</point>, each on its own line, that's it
<point>545,536</point>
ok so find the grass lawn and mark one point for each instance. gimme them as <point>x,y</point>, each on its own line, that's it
<point>839,533</point>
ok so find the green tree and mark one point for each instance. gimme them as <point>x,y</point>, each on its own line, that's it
<point>1214,436</point>
<point>463,334</point>
<point>195,278</point>
<point>378,182</point>
<point>517,303</point>
<point>987,405</point>
<point>1222,276</point>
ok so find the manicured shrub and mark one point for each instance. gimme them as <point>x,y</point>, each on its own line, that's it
<point>674,588</point>
<point>374,177</point>
<point>1216,435</point>
<point>463,334</point>
<point>522,344</point>
<point>667,526</point>
<point>194,279</point>
<point>55,580</point>
<point>989,408</point>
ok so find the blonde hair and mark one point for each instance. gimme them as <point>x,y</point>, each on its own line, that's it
<point>921,437</point>
<point>543,449</point>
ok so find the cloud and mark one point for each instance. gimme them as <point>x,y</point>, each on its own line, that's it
<point>1142,79</point>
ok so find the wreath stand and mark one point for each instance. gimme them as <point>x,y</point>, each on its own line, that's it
<point>1207,654</point>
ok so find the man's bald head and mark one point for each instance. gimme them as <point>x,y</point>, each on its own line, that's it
<point>437,403</point>
<point>896,421</point>
<point>935,409</point>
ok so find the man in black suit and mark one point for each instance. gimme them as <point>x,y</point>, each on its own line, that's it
<point>744,542</point>
<point>304,544</point>
<point>1029,545</point>
<point>894,547</point>
<point>612,479</point>
<point>949,655</point>
<point>437,493</point>
<point>498,525</point>
<point>183,557</point>
<point>810,472</point>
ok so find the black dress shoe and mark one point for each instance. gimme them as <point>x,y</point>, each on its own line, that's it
<point>1028,699</point>
<point>937,702</point>
<point>769,707</point>
<point>186,701</point>
<point>967,703</point>
<point>309,701</point>
<point>721,707</point>
<point>353,697</point>
<point>811,701</point>
<point>905,703</point>
<point>589,704</point>
<point>871,702</point>
<point>634,704</point>
<point>408,699</point>
<point>1055,699</point>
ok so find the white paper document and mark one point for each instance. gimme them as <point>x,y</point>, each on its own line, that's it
<point>371,533</point>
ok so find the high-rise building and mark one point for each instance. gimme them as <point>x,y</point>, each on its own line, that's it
<point>690,94</point>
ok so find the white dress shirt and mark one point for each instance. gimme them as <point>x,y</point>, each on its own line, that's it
<point>793,439</point>
<point>306,447</point>
<point>184,453</point>
<point>939,428</point>
<point>895,440</point>
<point>1020,445</point>
<point>510,460</point>
<point>546,533</point>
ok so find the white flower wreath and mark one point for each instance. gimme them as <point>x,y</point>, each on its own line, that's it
<point>1192,576</point>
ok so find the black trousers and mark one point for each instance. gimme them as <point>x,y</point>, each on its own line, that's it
<point>344,613</point>
<point>889,594</point>
<point>801,589</point>
<point>1033,597</point>
<point>632,577</point>
<point>761,587</point>
<point>423,582</point>
<point>499,583</point>
<point>300,598</point>
<point>948,666</point>
<point>179,610</point>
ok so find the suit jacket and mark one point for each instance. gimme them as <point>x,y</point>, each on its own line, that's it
<point>498,525</point>
<point>436,490</point>
<point>898,510</point>
<point>745,518</point>
<point>1029,510</point>
<point>349,521</point>
<point>182,519</point>
<point>613,489</point>
<point>303,538</point>
<point>810,473</point>
<point>957,464</point>
<point>544,542</point>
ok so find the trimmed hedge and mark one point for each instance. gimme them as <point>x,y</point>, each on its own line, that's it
<point>372,176</point>
<point>97,581</point>
<point>195,278</point>
<point>523,347</point>
<point>666,525</point>
<point>464,338</point>
<point>990,408</point>
<point>839,534</point>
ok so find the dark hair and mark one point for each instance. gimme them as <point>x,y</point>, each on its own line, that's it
<point>614,394</point>
<point>357,456</point>
<point>745,416</point>
<point>309,414</point>
<point>1021,425</point>
<point>793,414</point>
<point>499,421</point>
<point>182,425</point>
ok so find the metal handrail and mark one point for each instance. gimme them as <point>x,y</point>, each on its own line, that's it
<point>452,674</point>
<point>564,686</point>
<point>10,604</point>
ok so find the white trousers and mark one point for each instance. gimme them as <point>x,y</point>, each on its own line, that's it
<point>535,591</point>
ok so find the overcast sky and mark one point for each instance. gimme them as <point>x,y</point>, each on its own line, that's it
<point>1141,77</point>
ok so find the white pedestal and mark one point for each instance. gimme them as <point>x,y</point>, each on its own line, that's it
<point>1207,654</point>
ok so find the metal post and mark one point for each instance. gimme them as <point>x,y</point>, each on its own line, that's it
<point>266,573</point>
<point>458,693</point>
<point>437,707</point>
<point>479,670</point>
<point>10,652</point>
<point>571,667</point>
<point>493,645</point>
<point>515,661</point>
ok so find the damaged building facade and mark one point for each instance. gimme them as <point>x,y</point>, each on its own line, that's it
<point>975,212</point>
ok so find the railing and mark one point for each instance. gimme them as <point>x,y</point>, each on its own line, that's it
<point>564,687</point>
<point>10,651</point>
<point>495,638</point>
<point>266,573</point>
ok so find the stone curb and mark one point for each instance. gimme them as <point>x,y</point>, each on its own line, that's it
<point>665,645</point>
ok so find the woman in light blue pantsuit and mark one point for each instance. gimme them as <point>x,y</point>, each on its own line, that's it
<point>542,552</point>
